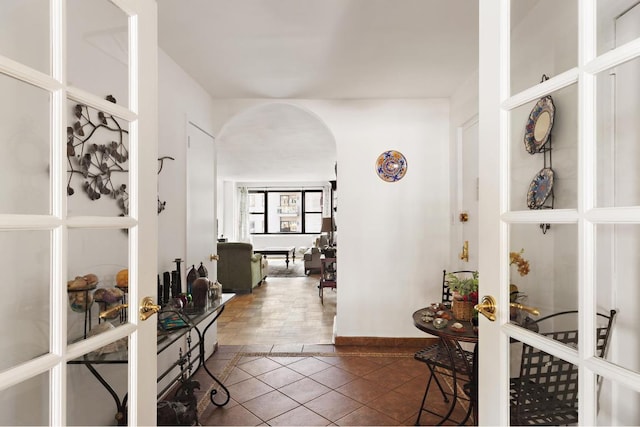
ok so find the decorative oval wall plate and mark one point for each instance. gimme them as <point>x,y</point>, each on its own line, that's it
<point>540,188</point>
<point>539,124</point>
<point>391,166</point>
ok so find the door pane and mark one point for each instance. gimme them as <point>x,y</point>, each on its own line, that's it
<point>97,162</point>
<point>27,403</point>
<point>544,40</point>
<point>618,266</point>
<point>89,402</point>
<point>618,151</point>
<point>97,280</point>
<point>618,23</point>
<point>24,137</point>
<point>26,296</point>
<point>30,48</point>
<point>98,50</point>
<point>544,152</point>
<point>617,404</point>
<point>544,270</point>
<point>543,388</point>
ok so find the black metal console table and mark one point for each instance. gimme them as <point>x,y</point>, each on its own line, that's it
<point>189,360</point>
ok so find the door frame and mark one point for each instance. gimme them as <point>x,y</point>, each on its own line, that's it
<point>459,234</point>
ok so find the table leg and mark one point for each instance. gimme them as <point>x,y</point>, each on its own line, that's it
<point>287,259</point>
<point>214,392</point>
<point>121,406</point>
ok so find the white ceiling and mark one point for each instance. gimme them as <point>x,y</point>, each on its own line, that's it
<point>315,49</point>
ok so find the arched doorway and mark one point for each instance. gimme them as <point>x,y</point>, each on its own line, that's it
<point>278,147</point>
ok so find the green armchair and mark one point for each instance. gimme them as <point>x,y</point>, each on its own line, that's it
<point>239,269</point>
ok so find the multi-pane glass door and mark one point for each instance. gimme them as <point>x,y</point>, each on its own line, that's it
<point>558,104</point>
<point>73,208</point>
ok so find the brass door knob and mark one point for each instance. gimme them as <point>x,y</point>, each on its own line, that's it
<point>112,311</point>
<point>487,307</point>
<point>214,257</point>
<point>148,308</point>
<point>526,308</point>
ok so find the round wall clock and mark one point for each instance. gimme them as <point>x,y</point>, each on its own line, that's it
<point>391,166</point>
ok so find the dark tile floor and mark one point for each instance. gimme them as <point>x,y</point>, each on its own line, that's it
<point>276,359</point>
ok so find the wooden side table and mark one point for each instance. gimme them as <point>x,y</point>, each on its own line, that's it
<point>328,275</point>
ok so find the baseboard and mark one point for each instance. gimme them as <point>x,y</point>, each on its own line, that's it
<point>384,341</point>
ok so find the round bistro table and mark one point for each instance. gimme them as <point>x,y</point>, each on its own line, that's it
<point>450,340</point>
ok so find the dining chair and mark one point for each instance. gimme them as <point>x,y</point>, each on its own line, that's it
<point>546,390</point>
<point>447,359</point>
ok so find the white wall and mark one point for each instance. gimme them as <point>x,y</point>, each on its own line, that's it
<point>394,237</point>
<point>181,99</point>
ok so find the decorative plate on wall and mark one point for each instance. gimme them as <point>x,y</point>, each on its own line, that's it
<point>539,124</point>
<point>540,188</point>
<point>391,166</point>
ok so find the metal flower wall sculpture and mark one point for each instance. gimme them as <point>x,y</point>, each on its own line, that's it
<point>98,163</point>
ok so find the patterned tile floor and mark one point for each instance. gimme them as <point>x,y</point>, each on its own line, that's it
<point>276,359</point>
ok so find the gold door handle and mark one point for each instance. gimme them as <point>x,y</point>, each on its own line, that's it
<point>487,307</point>
<point>214,257</point>
<point>528,309</point>
<point>112,311</point>
<point>465,251</point>
<point>148,308</point>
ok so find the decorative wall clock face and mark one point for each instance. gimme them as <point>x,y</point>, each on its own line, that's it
<point>540,188</point>
<point>539,124</point>
<point>391,166</point>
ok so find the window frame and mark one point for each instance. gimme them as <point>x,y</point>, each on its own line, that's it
<point>303,210</point>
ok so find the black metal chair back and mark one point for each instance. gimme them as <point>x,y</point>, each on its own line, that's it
<point>546,392</point>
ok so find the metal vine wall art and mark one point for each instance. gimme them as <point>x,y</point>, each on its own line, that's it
<point>98,163</point>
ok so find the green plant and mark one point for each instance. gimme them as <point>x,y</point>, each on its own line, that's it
<point>467,286</point>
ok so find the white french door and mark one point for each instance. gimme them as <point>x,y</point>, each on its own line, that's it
<point>78,130</point>
<point>580,232</point>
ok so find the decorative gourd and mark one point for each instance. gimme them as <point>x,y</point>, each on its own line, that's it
<point>122,278</point>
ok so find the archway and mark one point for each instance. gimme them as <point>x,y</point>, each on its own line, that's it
<point>275,146</point>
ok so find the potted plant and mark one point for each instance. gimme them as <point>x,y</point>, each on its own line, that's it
<point>465,294</point>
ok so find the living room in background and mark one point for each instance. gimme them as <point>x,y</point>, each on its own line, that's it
<point>285,211</point>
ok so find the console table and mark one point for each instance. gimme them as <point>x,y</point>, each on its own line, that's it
<point>279,251</point>
<point>189,360</point>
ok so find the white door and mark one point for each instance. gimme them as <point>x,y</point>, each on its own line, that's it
<point>468,193</point>
<point>201,192</point>
<point>77,201</point>
<point>580,232</point>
